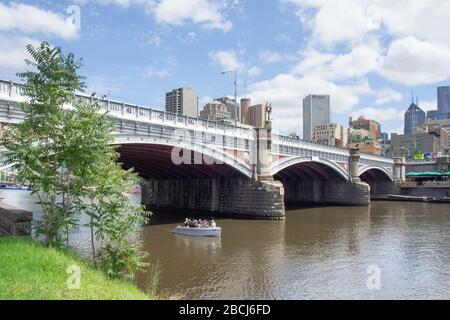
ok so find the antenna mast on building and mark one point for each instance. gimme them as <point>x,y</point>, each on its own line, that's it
<point>245,89</point>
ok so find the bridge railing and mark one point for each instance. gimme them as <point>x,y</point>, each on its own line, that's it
<point>289,146</point>
<point>243,136</point>
<point>13,92</point>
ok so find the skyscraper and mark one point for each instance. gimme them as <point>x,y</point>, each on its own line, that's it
<point>443,102</point>
<point>316,111</point>
<point>414,119</point>
<point>182,101</point>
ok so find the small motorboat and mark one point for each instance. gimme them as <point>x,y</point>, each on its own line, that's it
<point>199,232</point>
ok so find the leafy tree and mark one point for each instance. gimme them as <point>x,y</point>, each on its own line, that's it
<point>39,147</point>
<point>67,157</point>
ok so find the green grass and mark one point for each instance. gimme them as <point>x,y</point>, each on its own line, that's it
<point>29,270</point>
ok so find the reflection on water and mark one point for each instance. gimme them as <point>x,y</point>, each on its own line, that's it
<point>317,253</point>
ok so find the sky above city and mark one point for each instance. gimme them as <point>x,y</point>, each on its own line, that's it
<point>368,55</point>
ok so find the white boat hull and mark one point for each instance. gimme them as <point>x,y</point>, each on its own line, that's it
<point>199,232</point>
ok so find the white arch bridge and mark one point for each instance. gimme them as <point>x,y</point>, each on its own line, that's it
<point>168,147</point>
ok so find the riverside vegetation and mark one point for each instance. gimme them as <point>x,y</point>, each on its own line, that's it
<point>67,158</point>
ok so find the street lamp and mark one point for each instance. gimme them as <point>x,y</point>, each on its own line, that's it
<point>235,92</point>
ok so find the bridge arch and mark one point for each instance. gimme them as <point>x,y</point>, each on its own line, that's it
<point>286,163</point>
<point>151,157</point>
<point>376,172</point>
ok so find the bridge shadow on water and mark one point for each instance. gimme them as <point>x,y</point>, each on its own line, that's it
<point>165,216</point>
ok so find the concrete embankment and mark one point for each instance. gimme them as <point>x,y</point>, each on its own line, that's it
<point>14,221</point>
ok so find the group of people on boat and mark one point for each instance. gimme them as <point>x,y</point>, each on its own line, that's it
<point>199,223</point>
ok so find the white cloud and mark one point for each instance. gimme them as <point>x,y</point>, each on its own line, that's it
<point>207,13</point>
<point>29,19</point>
<point>387,95</point>
<point>151,71</point>
<point>254,71</point>
<point>286,93</point>
<point>227,59</point>
<point>415,34</point>
<point>379,114</point>
<point>414,62</point>
<point>351,20</point>
<point>428,105</point>
<point>362,60</point>
<point>268,56</point>
<point>13,51</point>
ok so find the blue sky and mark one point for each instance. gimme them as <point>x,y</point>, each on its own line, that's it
<point>368,55</point>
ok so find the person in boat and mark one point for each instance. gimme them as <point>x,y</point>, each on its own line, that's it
<point>196,223</point>
<point>205,224</point>
<point>213,224</point>
<point>186,222</point>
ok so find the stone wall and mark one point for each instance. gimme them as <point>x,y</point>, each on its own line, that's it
<point>426,192</point>
<point>14,222</point>
<point>327,192</point>
<point>382,187</point>
<point>243,197</point>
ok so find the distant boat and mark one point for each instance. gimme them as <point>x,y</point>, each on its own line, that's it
<point>199,232</point>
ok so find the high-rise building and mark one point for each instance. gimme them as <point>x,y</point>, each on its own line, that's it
<point>232,106</point>
<point>384,138</point>
<point>255,115</point>
<point>443,94</point>
<point>182,101</point>
<point>215,110</point>
<point>245,104</point>
<point>316,111</point>
<point>414,119</point>
<point>334,135</point>
<point>444,124</point>
<point>432,115</point>
<point>366,124</point>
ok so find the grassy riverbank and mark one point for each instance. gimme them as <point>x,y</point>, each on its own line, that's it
<point>29,270</point>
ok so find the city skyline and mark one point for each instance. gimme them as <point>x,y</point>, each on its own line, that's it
<point>136,51</point>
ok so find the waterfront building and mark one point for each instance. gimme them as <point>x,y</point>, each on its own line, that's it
<point>316,111</point>
<point>372,126</point>
<point>363,140</point>
<point>182,101</point>
<point>333,134</point>
<point>414,119</point>
<point>443,96</point>
<point>434,141</point>
<point>214,111</point>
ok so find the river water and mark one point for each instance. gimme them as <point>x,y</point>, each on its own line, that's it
<point>316,253</point>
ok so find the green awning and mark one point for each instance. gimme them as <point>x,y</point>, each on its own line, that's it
<point>425,174</point>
